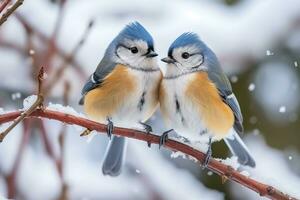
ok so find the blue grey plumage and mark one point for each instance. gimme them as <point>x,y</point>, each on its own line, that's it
<point>239,149</point>
<point>190,38</point>
<point>135,31</point>
<point>215,73</point>
<point>132,31</point>
<point>114,157</point>
<point>186,39</point>
<point>218,77</point>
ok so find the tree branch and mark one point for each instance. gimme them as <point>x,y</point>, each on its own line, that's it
<point>10,10</point>
<point>65,56</point>
<point>4,4</point>
<point>217,167</point>
<point>33,107</point>
<point>58,74</point>
<point>11,177</point>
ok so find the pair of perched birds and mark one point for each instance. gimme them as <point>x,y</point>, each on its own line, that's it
<point>195,96</point>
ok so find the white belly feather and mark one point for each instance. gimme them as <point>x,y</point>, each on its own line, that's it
<point>185,120</point>
<point>132,109</point>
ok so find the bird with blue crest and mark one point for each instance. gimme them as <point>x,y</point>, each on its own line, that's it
<point>197,101</point>
<point>123,90</point>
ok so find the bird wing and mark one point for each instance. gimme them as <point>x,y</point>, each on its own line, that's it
<point>222,83</point>
<point>95,80</point>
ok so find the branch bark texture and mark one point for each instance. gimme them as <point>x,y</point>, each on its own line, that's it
<point>225,171</point>
<point>9,10</point>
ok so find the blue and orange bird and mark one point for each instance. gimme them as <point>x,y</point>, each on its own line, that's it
<point>123,90</point>
<point>196,98</point>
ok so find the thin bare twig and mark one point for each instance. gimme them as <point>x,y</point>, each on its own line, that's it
<point>10,10</point>
<point>213,165</point>
<point>51,42</point>
<point>35,105</point>
<point>61,137</point>
<point>65,188</point>
<point>11,177</point>
<point>76,66</point>
<point>4,4</point>
<point>59,72</point>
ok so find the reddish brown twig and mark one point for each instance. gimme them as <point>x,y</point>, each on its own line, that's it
<point>10,10</point>
<point>51,42</point>
<point>213,165</point>
<point>4,4</point>
<point>77,67</point>
<point>64,194</point>
<point>33,107</point>
<point>11,177</point>
<point>60,71</point>
<point>24,52</point>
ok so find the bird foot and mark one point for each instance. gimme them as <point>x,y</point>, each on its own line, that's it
<point>207,155</point>
<point>148,130</point>
<point>164,137</point>
<point>110,127</point>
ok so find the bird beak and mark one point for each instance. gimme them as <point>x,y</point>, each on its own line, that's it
<point>168,60</point>
<point>151,54</point>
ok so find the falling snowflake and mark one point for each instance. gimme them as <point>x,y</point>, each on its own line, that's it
<point>282,109</point>
<point>296,64</point>
<point>209,173</point>
<point>290,157</point>
<point>137,171</point>
<point>256,132</point>
<point>269,53</point>
<point>16,95</point>
<point>251,87</point>
<point>31,52</point>
<point>234,79</point>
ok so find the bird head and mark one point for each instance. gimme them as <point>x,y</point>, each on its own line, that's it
<point>187,54</point>
<point>133,46</point>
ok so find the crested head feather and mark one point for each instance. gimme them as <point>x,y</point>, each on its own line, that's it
<point>135,31</point>
<point>132,31</point>
<point>185,39</point>
<point>192,39</point>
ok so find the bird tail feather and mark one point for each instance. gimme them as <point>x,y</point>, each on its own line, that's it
<point>239,149</point>
<point>114,157</point>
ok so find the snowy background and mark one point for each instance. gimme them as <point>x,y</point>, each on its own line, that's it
<point>257,42</point>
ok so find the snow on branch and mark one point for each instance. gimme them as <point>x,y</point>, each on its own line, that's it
<point>227,172</point>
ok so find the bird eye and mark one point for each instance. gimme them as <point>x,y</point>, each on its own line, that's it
<point>134,50</point>
<point>185,55</point>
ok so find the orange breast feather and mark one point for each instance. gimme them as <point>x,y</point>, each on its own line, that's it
<point>216,115</point>
<point>109,97</point>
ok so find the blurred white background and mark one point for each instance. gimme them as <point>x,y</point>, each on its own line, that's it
<point>257,43</point>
